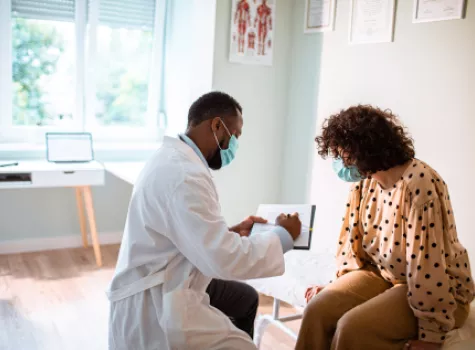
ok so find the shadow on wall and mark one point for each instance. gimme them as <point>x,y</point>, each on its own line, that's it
<point>300,124</point>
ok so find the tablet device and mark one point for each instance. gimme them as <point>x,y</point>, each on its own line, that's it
<point>69,147</point>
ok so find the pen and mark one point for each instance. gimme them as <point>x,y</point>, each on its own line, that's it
<point>8,164</point>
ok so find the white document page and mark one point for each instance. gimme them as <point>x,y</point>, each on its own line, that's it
<point>270,212</point>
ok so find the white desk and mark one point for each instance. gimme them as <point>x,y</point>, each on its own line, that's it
<point>81,176</point>
<point>126,171</point>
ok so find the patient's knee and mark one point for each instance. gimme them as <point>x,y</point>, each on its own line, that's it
<point>349,327</point>
<point>318,310</point>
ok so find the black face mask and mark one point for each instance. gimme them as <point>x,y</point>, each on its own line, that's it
<point>215,162</point>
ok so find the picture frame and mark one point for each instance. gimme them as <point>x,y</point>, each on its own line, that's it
<point>309,23</point>
<point>367,30</point>
<point>252,34</point>
<point>438,10</point>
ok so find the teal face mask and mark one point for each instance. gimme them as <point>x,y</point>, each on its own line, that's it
<point>348,174</point>
<point>227,155</point>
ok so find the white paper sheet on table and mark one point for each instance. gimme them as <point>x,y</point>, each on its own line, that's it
<point>270,212</point>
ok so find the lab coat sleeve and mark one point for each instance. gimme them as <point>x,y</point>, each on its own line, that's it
<point>286,239</point>
<point>199,232</point>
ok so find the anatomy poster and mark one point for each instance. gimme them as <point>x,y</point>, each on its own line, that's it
<point>252,31</point>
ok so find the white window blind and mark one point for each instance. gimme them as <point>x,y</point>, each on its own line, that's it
<point>60,10</point>
<point>136,14</point>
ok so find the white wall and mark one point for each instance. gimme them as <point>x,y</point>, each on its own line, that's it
<point>427,77</point>
<point>188,72</point>
<point>300,117</point>
<point>255,176</point>
<point>32,214</point>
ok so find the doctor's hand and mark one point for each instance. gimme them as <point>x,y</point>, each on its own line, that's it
<point>245,227</point>
<point>291,223</point>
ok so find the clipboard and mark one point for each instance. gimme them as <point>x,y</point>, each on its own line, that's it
<point>270,212</point>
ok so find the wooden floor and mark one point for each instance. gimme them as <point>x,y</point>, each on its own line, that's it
<point>55,300</point>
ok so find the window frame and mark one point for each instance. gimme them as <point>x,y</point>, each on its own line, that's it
<point>85,95</point>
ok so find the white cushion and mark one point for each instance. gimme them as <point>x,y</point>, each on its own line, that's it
<point>462,338</point>
<point>461,345</point>
<point>304,268</point>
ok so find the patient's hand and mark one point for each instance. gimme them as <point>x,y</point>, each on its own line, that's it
<point>312,291</point>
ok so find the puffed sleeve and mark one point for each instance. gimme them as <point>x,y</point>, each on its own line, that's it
<point>430,293</point>
<point>349,243</point>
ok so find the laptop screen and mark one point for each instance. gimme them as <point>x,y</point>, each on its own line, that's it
<point>69,147</point>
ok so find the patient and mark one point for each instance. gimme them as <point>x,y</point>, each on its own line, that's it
<point>403,278</point>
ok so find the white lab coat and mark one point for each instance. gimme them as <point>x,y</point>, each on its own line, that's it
<point>175,241</point>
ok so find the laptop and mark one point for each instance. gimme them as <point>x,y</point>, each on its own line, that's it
<point>69,147</point>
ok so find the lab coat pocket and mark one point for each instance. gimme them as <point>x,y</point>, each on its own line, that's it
<point>189,322</point>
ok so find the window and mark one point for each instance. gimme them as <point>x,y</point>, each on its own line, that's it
<point>123,59</point>
<point>83,65</point>
<point>42,71</point>
<point>124,49</point>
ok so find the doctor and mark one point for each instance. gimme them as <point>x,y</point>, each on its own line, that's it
<point>176,242</point>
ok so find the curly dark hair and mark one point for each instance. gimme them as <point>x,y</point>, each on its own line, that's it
<point>371,139</point>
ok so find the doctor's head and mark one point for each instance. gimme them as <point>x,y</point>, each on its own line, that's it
<point>215,124</point>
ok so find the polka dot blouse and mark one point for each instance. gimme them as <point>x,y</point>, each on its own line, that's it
<point>409,232</point>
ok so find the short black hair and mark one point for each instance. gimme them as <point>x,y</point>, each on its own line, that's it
<point>374,139</point>
<point>211,105</point>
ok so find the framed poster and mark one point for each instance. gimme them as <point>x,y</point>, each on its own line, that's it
<point>252,31</point>
<point>371,21</point>
<point>319,15</point>
<point>437,10</point>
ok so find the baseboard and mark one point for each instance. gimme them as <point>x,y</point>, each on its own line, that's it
<point>51,243</point>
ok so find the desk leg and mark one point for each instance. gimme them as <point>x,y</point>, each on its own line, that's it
<point>92,224</point>
<point>82,217</point>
